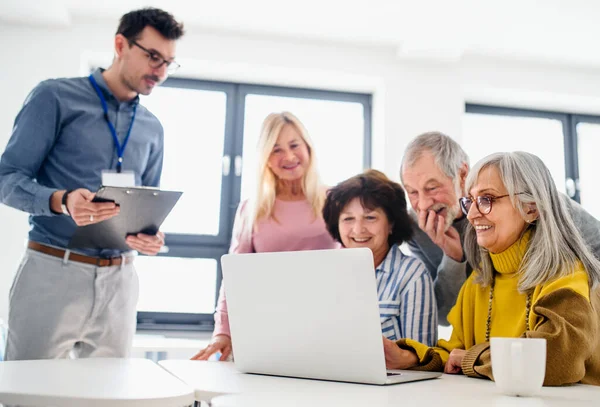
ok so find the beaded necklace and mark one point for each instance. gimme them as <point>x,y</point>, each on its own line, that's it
<point>489,316</point>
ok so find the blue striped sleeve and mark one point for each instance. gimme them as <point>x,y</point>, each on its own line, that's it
<point>418,310</point>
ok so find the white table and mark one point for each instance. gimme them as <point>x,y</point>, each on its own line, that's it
<point>96,382</point>
<point>208,379</point>
<point>160,347</point>
<point>221,385</point>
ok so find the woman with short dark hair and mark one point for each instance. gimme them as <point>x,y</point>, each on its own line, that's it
<point>369,210</point>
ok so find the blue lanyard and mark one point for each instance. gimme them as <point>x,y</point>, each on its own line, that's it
<point>111,127</point>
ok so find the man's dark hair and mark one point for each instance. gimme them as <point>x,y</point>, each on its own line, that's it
<point>134,22</point>
<point>374,190</point>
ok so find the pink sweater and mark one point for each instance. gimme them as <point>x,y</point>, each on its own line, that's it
<point>295,229</point>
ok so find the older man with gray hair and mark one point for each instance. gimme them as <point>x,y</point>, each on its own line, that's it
<point>433,171</point>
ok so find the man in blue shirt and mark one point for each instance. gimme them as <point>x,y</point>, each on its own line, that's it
<point>69,135</point>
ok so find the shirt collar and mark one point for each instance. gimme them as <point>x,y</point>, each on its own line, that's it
<point>387,263</point>
<point>108,95</point>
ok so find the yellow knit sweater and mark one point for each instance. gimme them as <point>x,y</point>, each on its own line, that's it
<point>562,311</point>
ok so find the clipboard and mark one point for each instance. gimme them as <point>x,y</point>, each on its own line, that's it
<point>143,210</point>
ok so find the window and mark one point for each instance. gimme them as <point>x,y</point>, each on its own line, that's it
<point>211,132</point>
<point>588,145</point>
<point>566,143</point>
<point>199,142</point>
<point>336,128</point>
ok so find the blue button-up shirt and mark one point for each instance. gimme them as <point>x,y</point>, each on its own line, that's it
<point>407,305</point>
<point>60,140</point>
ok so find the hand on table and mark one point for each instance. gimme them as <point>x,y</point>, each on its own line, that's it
<point>397,358</point>
<point>454,363</point>
<point>219,343</point>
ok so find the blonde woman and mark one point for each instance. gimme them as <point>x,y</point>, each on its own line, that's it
<point>284,214</point>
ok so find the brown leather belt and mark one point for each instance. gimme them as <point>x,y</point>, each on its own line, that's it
<point>97,261</point>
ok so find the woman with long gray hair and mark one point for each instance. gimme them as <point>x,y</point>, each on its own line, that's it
<point>535,278</point>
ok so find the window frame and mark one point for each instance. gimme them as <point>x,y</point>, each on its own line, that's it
<point>575,119</point>
<point>569,124</point>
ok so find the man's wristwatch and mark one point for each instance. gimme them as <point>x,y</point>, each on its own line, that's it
<point>63,203</point>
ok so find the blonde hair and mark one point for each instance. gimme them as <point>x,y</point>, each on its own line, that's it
<point>261,205</point>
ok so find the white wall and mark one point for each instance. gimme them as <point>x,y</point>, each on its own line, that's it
<point>409,96</point>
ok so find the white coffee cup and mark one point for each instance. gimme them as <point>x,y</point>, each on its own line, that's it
<point>519,365</point>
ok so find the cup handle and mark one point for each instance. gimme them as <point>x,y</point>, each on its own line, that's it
<point>516,354</point>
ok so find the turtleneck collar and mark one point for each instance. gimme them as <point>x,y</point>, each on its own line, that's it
<point>509,261</point>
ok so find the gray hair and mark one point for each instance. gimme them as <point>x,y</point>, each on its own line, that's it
<point>555,247</point>
<point>448,154</point>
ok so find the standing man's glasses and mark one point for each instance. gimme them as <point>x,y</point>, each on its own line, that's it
<point>155,60</point>
<point>483,203</point>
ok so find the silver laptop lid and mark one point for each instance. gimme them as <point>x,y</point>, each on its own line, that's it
<point>310,314</point>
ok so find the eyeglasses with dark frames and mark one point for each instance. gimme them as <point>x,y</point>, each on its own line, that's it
<point>155,60</point>
<point>483,203</point>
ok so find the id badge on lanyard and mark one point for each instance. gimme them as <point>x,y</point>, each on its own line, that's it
<point>112,178</point>
<point>118,177</point>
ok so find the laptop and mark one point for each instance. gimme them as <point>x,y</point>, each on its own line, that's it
<point>308,314</point>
